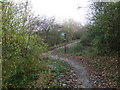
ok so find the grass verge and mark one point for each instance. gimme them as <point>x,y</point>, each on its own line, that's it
<point>62,44</point>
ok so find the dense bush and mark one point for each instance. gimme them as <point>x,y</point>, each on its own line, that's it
<point>86,39</point>
<point>21,48</point>
<point>105,27</point>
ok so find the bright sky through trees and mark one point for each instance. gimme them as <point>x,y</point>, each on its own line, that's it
<point>61,9</point>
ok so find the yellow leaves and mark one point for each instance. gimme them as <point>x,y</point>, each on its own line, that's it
<point>0,78</point>
<point>0,61</point>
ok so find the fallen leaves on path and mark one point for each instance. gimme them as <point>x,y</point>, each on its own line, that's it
<point>103,69</point>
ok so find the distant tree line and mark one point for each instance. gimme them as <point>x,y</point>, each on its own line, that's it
<point>50,30</point>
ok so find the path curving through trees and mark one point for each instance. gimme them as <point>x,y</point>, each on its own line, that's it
<point>79,69</point>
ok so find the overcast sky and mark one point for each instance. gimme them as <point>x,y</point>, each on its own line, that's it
<point>61,9</point>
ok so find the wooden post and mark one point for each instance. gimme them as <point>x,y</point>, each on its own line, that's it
<point>65,42</point>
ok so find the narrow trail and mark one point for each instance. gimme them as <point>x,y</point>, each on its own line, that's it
<point>80,70</point>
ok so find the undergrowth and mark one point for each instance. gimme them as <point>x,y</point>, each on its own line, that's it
<point>46,76</point>
<point>49,73</point>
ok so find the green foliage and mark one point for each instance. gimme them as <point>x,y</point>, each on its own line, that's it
<point>78,47</point>
<point>73,50</point>
<point>86,39</point>
<point>21,48</point>
<point>50,72</point>
<point>103,33</point>
<point>105,27</point>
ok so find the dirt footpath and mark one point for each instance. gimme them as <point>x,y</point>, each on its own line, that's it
<point>80,70</point>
